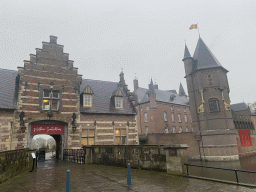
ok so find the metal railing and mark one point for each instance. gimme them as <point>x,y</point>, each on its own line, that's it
<point>235,170</point>
<point>74,155</point>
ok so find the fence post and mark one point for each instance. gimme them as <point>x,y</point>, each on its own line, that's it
<point>236,176</point>
<point>68,183</point>
<point>129,178</point>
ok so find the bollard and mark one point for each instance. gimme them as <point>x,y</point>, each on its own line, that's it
<point>129,177</point>
<point>68,183</point>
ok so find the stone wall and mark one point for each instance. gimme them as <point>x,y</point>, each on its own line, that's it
<point>14,162</point>
<point>171,138</point>
<point>151,157</point>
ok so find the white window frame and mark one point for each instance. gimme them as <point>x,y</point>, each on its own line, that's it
<point>165,116</point>
<point>179,117</point>
<point>173,118</point>
<point>186,118</point>
<point>180,129</point>
<point>146,130</point>
<point>87,96</point>
<point>50,99</point>
<point>187,129</point>
<point>145,117</point>
<point>118,102</point>
<point>174,129</point>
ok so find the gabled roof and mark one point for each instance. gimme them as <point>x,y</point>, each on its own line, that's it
<point>204,58</point>
<point>162,96</point>
<point>7,88</point>
<point>239,107</point>
<point>103,100</point>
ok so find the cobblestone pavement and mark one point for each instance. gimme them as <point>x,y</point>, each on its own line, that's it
<point>51,176</point>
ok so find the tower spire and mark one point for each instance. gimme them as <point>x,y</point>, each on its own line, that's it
<point>186,53</point>
<point>182,91</point>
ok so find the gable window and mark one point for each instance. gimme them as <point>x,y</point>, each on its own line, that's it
<point>87,97</point>
<point>51,100</point>
<point>214,105</point>
<point>119,102</point>
<point>173,120</point>
<point>88,136</point>
<point>165,116</point>
<point>120,135</point>
<point>179,117</point>
<point>145,117</point>
<point>87,100</point>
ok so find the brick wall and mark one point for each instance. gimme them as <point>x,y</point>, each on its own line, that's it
<point>155,118</point>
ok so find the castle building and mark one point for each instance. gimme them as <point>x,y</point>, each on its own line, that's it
<point>208,92</point>
<point>161,111</point>
<point>48,96</point>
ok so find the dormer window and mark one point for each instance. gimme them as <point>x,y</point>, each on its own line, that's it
<point>50,100</point>
<point>118,99</point>
<point>87,97</point>
<point>119,102</point>
<point>87,100</point>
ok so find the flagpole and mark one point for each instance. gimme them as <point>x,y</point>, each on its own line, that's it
<point>198,29</point>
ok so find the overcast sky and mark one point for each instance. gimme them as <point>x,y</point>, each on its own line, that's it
<point>145,38</point>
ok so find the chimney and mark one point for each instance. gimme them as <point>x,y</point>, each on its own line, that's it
<point>122,81</point>
<point>53,39</point>
<point>135,84</point>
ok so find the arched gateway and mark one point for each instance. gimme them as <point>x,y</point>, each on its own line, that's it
<point>56,129</point>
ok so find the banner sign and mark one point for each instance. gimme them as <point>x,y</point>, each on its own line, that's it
<point>49,129</point>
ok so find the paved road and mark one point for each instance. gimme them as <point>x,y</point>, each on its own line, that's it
<point>51,176</point>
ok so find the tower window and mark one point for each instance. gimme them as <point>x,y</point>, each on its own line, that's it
<point>214,105</point>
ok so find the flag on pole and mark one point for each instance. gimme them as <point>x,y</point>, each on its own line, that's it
<point>193,26</point>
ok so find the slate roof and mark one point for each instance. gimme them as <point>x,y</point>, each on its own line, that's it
<point>239,107</point>
<point>162,96</point>
<point>103,101</point>
<point>203,58</point>
<point>186,53</point>
<point>7,89</point>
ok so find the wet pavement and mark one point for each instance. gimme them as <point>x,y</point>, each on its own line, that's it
<point>51,176</point>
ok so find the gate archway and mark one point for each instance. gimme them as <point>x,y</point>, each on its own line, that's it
<point>56,129</point>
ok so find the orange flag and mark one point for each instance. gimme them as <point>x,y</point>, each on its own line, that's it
<point>193,26</point>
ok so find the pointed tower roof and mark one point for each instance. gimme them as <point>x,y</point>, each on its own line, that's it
<point>151,87</point>
<point>204,58</point>
<point>186,53</point>
<point>182,91</point>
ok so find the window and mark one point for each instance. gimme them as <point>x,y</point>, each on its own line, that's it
<point>88,136</point>
<point>186,129</point>
<point>214,105</point>
<point>145,117</point>
<point>120,135</point>
<point>51,100</point>
<point>178,109</point>
<point>141,109</point>
<point>165,116</point>
<point>166,130</point>
<point>147,108</point>
<point>180,129</point>
<point>146,130</point>
<point>179,117</point>
<point>172,108</point>
<point>119,102</point>
<point>174,129</point>
<point>186,118</point>
<point>185,109</point>
<point>87,100</point>
<point>173,120</point>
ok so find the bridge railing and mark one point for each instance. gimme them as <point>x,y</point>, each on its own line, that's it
<point>74,155</point>
<point>227,169</point>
